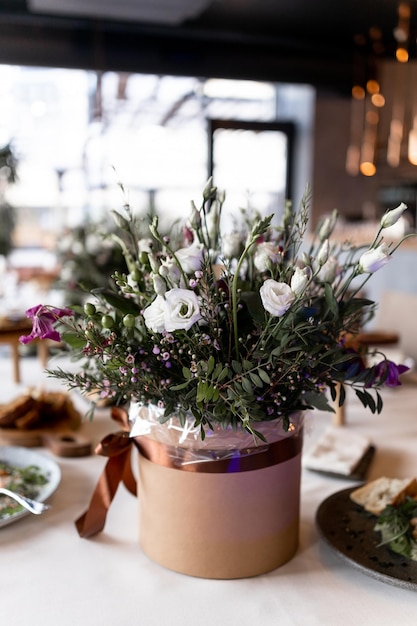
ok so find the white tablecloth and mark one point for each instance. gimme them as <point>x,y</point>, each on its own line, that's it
<point>49,576</point>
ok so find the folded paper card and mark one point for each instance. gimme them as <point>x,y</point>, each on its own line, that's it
<point>338,451</point>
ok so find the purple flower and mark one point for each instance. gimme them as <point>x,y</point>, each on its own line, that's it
<point>388,372</point>
<point>44,318</point>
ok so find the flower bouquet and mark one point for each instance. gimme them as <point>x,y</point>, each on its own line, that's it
<point>218,341</point>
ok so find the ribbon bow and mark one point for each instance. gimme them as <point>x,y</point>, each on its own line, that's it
<point>117,447</point>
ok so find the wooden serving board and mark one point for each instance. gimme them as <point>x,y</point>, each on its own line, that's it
<point>35,437</point>
<point>27,419</point>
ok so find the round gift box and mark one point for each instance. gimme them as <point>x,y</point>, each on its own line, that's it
<point>221,524</point>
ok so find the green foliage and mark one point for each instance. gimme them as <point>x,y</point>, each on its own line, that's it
<point>394,524</point>
<point>230,328</point>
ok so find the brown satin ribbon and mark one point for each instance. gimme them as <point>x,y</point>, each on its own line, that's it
<point>117,447</point>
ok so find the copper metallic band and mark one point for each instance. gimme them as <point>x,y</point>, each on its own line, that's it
<point>117,447</point>
<point>265,455</point>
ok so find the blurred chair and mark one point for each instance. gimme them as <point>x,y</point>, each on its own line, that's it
<point>397,312</point>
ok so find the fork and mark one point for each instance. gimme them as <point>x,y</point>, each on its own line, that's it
<point>33,506</point>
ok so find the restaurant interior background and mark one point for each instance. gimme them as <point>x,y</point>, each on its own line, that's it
<point>158,96</point>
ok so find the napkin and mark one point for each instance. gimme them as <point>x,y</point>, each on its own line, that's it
<point>339,452</point>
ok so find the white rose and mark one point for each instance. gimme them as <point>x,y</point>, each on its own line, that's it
<point>276,297</point>
<point>154,315</point>
<point>265,255</point>
<point>181,309</point>
<point>373,259</point>
<point>299,280</point>
<point>190,258</point>
<point>231,245</point>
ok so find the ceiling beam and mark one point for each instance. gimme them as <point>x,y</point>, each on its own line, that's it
<point>36,40</point>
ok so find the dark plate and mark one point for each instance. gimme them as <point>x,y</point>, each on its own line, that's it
<point>349,530</point>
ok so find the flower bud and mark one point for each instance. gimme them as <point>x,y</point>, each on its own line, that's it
<point>391,217</point>
<point>154,262</point>
<point>305,259</point>
<point>159,285</point>
<point>107,321</point>
<point>329,270</point>
<point>231,243</point>
<point>373,259</point>
<point>299,280</point>
<point>89,308</point>
<point>195,217</point>
<point>121,222</point>
<point>328,226</point>
<point>324,252</point>
<point>129,321</point>
<point>209,191</point>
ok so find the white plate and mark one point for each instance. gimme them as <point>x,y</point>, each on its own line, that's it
<point>22,457</point>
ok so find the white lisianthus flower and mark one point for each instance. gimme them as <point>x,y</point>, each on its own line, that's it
<point>211,224</point>
<point>145,244</point>
<point>190,258</point>
<point>231,245</point>
<point>329,270</point>
<point>154,315</point>
<point>195,217</point>
<point>328,226</point>
<point>299,280</point>
<point>170,270</point>
<point>159,285</point>
<point>181,309</point>
<point>323,253</point>
<point>265,255</point>
<point>373,259</point>
<point>391,217</point>
<point>276,297</point>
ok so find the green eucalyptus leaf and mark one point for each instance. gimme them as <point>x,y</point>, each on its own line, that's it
<point>256,379</point>
<point>201,391</point>
<point>210,365</point>
<point>331,300</point>
<point>246,385</point>
<point>247,365</point>
<point>73,340</point>
<point>180,386</point>
<point>264,376</point>
<point>124,305</point>
<point>223,374</point>
<point>186,372</point>
<point>217,371</point>
<point>318,401</point>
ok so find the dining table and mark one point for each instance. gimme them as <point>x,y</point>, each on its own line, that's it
<point>50,576</point>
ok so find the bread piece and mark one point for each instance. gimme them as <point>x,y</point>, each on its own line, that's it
<point>378,494</point>
<point>12,411</point>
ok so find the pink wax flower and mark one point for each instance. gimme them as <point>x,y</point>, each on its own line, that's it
<point>44,318</point>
